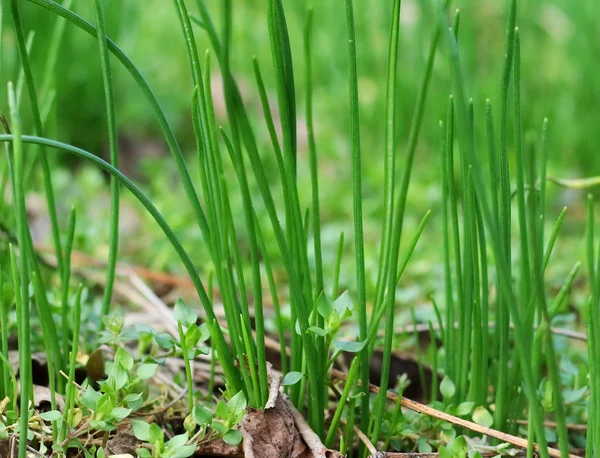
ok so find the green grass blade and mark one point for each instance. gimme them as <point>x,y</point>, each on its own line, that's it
<point>224,353</point>
<point>151,98</point>
<point>21,271</point>
<point>113,241</point>
<point>357,207</point>
<point>389,180</point>
<point>522,345</point>
<point>38,128</point>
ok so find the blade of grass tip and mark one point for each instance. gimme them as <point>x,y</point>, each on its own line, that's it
<point>389,180</point>
<point>71,388</point>
<point>359,250</point>
<point>52,53</point>
<point>65,309</point>
<point>37,124</point>
<point>284,77</point>
<point>151,98</point>
<point>114,160</point>
<point>226,358</point>
<point>338,263</point>
<point>521,339</point>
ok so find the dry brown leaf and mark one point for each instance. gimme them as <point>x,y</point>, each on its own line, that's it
<point>42,397</point>
<point>124,442</point>
<point>218,448</point>
<point>280,431</point>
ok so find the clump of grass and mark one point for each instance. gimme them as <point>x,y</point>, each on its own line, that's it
<point>476,219</point>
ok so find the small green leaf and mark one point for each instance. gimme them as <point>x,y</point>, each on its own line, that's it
<point>459,447</point>
<point>237,406</point>
<point>222,410</point>
<point>155,434</point>
<point>350,347</point>
<point>464,408</point>
<point>483,417</point>
<point>317,330</point>
<point>141,430</point>
<point>185,451</point>
<point>146,371</point>
<point>447,387</point>
<point>143,453</point>
<point>123,358</point>
<point>343,304</point>
<point>134,400</point>
<point>192,336</point>
<point>232,437</point>
<point>120,412</point>
<point>178,441</point>
<point>164,340</point>
<point>183,314</point>
<point>201,415</point>
<point>324,306</point>
<point>51,415</point>
<point>291,378</point>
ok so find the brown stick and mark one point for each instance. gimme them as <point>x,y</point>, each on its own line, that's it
<point>431,412</point>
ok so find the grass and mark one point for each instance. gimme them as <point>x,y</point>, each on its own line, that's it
<point>260,227</point>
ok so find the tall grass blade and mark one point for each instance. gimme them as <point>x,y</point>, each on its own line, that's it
<point>114,160</point>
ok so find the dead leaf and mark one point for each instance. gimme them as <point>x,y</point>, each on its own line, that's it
<point>124,442</point>
<point>42,398</point>
<point>280,431</point>
<point>218,448</point>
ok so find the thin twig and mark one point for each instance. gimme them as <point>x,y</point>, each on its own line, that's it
<point>431,412</point>
<point>363,438</point>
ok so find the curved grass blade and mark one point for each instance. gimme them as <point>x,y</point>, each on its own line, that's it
<point>224,354</point>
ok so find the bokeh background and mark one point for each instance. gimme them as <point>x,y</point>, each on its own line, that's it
<point>560,56</point>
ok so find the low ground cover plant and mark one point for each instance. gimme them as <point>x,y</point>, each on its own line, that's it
<point>279,359</point>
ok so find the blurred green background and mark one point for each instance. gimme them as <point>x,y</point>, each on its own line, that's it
<point>560,55</point>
